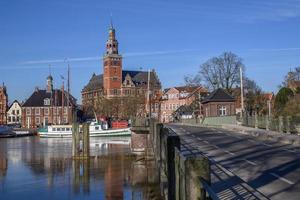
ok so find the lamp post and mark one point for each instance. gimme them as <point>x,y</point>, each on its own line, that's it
<point>242,92</point>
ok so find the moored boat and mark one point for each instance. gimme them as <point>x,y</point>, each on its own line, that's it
<point>96,129</point>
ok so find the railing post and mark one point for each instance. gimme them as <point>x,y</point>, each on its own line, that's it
<point>267,123</point>
<point>197,167</point>
<point>280,128</point>
<point>256,120</point>
<point>172,142</point>
<point>288,124</point>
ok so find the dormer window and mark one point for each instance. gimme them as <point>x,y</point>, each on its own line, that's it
<point>47,102</point>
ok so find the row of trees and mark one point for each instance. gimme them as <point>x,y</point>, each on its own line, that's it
<point>224,72</point>
<point>118,107</point>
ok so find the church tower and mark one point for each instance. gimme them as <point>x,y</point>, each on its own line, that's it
<point>112,66</point>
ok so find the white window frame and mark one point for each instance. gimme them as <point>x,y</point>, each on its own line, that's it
<point>28,111</point>
<point>222,110</point>
<point>37,111</point>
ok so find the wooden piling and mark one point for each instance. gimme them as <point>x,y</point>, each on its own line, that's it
<point>86,140</point>
<point>75,139</point>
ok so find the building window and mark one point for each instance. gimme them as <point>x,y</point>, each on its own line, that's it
<point>222,111</point>
<point>46,111</point>
<point>46,120</point>
<point>37,111</point>
<point>18,112</point>
<point>65,110</point>
<point>13,112</point>
<point>37,120</point>
<point>47,102</point>
<point>28,111</point>
<point>9,119</point>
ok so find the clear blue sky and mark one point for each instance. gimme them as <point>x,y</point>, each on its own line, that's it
<point>172,36</point>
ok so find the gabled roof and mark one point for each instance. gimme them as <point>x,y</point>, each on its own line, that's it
<point>139,78</point>
<point>15,101</point>
<point>184,110</point>
<point>218,95</point>
<point>38,96</point>
<point>95,83</point>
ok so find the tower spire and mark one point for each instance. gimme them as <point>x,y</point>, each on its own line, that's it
<point>111,22</point>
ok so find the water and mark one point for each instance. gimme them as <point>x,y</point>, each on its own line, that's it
<point>42,168</point>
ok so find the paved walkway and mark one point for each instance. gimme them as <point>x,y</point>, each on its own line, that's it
<point>244,167</point>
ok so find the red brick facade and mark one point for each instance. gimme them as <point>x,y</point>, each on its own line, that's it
<point>175,97</point>
<point>112,67</point>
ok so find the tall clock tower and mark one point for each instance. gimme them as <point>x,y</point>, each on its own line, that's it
<point>112,66</point>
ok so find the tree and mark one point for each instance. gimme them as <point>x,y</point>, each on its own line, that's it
<point>293,75</point>
<point>222,71</point>
<point>292,107</point>
<point>282,98</point>
<point>191,80</point>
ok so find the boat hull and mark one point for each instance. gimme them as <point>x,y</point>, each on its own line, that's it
<point>106,133</point>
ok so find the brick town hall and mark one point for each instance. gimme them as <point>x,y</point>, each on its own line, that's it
<point>116,82</point>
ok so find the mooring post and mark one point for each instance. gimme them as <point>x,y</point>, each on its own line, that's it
<point>86,140</point>
<point>75,140</point>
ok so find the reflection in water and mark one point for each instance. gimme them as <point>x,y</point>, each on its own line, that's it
<point>35,168</point>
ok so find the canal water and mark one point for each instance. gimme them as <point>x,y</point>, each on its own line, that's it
<point>42,168</point>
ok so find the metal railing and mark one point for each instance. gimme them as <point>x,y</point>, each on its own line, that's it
<point>207,190</point>
<point>286,124</point>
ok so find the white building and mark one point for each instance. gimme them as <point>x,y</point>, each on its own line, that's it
<point>14,113</point>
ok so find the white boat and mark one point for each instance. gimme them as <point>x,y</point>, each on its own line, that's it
<point>96,130</point>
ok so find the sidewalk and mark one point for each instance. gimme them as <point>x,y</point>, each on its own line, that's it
<point>265,135</point>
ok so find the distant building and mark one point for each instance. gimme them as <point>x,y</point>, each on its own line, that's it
<point>48,106</point>
<point>14,113</point>
<point>219,103</point>
<point>116,82</point>
<point>3,104</point>
<point>175,97</point>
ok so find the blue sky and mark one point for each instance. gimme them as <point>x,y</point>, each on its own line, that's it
<point>174,37</point>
